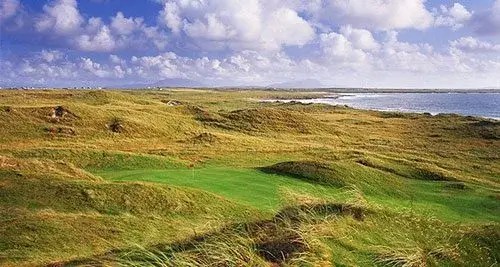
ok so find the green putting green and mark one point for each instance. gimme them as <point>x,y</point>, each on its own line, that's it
<point>245,186</point>
<point>265,191</point>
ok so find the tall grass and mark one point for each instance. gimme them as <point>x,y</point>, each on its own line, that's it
<point>362,187</point>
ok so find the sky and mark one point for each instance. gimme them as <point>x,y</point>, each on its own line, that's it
<point>311,43</point>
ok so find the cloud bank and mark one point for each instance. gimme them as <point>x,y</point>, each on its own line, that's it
<point>354,43</point>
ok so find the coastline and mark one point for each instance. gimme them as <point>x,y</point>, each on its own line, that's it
<point>330,100</point>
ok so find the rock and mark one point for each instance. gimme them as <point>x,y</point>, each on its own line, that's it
<point>172,103</point>
<point>89,194</point>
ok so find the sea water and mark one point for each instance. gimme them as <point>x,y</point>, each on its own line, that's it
<point>474,104</point>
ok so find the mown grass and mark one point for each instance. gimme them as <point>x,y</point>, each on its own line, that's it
<point>247,186</point>
<point>264,191</point>
<point>107,177</point>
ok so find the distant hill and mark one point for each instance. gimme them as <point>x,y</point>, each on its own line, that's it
<point>307,83</point>
<point>173,82</point>
<point>178,82</point>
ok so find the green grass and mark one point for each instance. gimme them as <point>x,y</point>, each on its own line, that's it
<point>265,191</point>
<point>246,186</point>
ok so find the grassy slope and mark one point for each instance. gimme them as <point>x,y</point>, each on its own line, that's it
<point>444,167</point>
<point>249,187</point>
<point>52,213</point>
<point>263,191</point>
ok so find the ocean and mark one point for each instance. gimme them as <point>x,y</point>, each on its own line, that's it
<point>474,104</point>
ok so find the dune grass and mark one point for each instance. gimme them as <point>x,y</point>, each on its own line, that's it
<point>124,177</point>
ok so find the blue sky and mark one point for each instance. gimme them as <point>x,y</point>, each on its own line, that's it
<point>334,43</point>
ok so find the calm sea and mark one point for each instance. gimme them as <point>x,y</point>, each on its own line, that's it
<point>475,104</point>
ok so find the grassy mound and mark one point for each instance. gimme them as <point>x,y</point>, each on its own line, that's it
<point>311,171</point>
<point>487,129</point>
<point>204,138</point>
<point>50,114</point>
<point>53,211</point>
<point>412,170</point>
<point>103,198</point>
<point>100,159</point>
<point>322,234</point>
<point>44,167</point>
<point>279,240</point>
<point>259,120</point>
<point>280,120</point>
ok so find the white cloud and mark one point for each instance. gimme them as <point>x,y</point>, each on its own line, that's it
<point>93,67</point>
<point>60,17</point>
<point>339,49</point>
<point>393,64</point>
<point>342,51</point>
<point>339,42</point>
<point>116,60</point>
<point>237,24</point>
<point>13,16</point>
<point>488,22</point>
<point>61,20</point>
<point>156,36</point>
<point>213,29</point>
<point>285,27</point>
<point>170,17</point>
<point>8,9</point>
<point>360,38</point>
<point>164,65</point>
<point>101,41</point>
<point>473,45</point>
<point>396,55</point>
<point>51,55</point>
<point>125,26</point>
<point>245,67</point>
<point>376,14</point>
<point>357,50</point>
<point>454,17</point>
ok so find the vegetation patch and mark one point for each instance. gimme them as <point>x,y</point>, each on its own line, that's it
<point>204,138</point>
<point>402,115</point>
<point>414,170</point>
<point>484,240</point>
<point>60,113</point>
<point>323,209</point>
<point>49,218</point>
<point>278,241</point>
<point>268,119</point>
<point>172,102</point>
<point>62,130</point>
<point>95,97</point>
<point>311,171</point>
<point>99,159</point>
<point>456,185</point>
<point>202,115</point>
<point>487,129</point>
<point>7,109</point>
<point>51,168</point>
<point>106,198</point>
<point>258,120</point>
<point>51,114</point>
<point>116,125</point>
